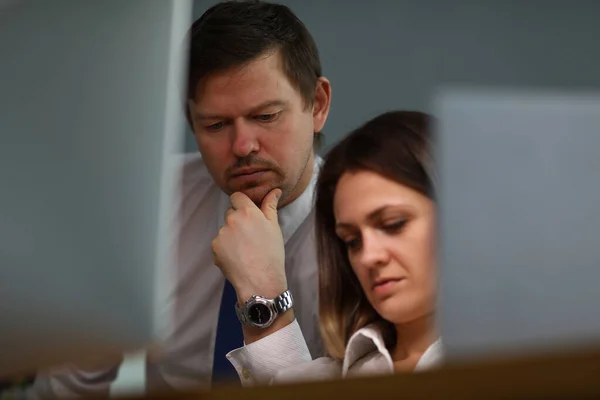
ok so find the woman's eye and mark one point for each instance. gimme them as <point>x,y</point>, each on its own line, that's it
<point>352,244</point>
<point>395,227</point>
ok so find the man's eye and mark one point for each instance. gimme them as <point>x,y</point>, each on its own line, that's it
<point>216,127</point>
<point>267,117</point>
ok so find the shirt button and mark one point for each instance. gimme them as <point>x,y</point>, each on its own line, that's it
<point>246,373</point>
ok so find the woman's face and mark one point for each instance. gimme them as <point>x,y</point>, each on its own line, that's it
<point>388,229</point>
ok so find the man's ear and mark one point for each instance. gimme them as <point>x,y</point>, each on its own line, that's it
<point>321,103</point>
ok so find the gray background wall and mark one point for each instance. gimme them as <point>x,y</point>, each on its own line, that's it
<point>388,54</point>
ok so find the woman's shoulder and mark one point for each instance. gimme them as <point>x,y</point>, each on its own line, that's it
<point>324,368</point>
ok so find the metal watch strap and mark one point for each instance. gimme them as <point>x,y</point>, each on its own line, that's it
<point>283,302</point>
<point>241,315</point>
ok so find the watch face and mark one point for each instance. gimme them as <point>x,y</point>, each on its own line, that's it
<point>259,313</point>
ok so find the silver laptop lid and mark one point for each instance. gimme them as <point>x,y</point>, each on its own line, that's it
<point>90,123</point>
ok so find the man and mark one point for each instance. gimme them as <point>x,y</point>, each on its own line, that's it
<point>257,101</point>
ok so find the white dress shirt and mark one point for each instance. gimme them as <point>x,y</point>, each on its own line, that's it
<point>198,289</point>
<point>366,355</point>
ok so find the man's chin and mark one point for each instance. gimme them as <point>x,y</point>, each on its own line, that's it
<point>256,193</point>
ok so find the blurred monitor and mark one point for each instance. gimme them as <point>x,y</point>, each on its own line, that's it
<point>90,123</point>
<point>519,222</point>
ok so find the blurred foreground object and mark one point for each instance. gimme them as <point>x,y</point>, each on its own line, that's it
<point>520,237</point>
<point>89,134</point>
<point>549,377</point>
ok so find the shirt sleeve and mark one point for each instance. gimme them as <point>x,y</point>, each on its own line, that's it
<point>258,362</point>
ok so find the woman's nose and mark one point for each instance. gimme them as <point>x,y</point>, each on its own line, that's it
<point>373,252</point>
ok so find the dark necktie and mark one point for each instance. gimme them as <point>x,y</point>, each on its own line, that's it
<point>229,337</point>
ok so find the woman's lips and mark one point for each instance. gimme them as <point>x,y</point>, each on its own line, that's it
<point>383,286</point>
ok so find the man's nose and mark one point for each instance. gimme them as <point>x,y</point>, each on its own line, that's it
<point>245,140</point>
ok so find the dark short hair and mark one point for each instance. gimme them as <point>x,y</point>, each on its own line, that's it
<point>398,146</point>
<point>232,33</point>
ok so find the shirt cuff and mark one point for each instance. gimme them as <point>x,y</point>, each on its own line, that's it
<point>258,362</point>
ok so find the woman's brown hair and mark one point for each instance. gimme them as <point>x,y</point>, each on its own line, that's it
<point>396,145</point>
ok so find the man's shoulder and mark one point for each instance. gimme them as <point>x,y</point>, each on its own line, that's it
<point>193,169</point>
<point>197,188</point>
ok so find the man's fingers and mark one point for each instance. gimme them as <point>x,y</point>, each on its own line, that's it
<point>239,200</point>
<point>214,247</point>
<point>269,204</point>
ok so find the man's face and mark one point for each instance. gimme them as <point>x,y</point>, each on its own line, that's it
<point>254,130</point>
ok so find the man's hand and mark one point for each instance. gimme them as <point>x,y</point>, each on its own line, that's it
<point>249,247</point>
<point>250,252</point>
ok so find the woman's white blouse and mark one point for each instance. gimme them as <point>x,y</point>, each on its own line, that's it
<point>366,355</point>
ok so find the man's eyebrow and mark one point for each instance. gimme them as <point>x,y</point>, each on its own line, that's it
<point>266,104</point>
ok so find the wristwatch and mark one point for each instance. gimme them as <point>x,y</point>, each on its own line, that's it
<point>260,312</point>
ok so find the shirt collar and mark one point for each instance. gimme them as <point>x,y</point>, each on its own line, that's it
<point>292,215</point>
<point>369,339</point>
<point>364,341</point>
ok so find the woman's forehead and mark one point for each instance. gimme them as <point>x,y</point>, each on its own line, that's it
<point>360,195</point>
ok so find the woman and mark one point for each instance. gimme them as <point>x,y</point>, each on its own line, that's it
<point>375,222</point>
